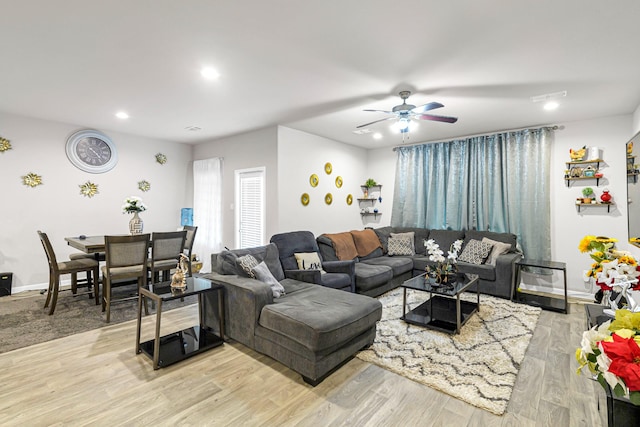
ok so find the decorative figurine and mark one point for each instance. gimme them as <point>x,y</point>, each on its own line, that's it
<point>179,278</point>
<point>605,197</point>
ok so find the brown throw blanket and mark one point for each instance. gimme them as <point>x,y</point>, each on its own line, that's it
<point>344,246</point>
<point>366,241</point>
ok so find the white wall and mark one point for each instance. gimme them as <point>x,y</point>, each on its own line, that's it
<point>300,155</point>
<point>248,150</point>
<point>57,208</point>
<point>381,166</point>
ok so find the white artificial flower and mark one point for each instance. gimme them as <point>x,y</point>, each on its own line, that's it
<point>594,335</point>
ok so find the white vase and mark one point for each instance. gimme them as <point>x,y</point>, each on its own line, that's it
<point>135,224</point>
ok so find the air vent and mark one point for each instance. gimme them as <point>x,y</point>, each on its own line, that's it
<point>193,128</point>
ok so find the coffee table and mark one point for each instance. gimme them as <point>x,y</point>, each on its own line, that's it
<point>444,310</point>
<point>180,345</point>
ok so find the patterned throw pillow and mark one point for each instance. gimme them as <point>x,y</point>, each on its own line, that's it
<point>247,263</point>
<point>475,252</point>
<point>401,244</point>
<point>308,261</point>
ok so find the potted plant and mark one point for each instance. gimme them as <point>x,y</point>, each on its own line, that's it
<point>370,183</point>
<point>587,194</point>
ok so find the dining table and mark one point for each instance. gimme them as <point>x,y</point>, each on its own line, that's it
<point>87,244</point>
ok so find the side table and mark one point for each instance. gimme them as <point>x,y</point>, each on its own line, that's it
<point>542,301</point>
<point>180,345</point>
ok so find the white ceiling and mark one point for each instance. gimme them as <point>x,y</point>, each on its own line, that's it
<point>315,66</point>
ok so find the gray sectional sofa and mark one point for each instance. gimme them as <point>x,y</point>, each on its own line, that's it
<point>312,329</point>
<point>378,272</point>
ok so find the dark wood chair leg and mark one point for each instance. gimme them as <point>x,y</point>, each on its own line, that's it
<point>50,290</point>
<point>54,297</point>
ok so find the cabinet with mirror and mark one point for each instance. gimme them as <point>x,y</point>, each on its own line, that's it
<point>633,191</point>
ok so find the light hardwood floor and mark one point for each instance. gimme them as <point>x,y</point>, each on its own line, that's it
<point>95,378</point>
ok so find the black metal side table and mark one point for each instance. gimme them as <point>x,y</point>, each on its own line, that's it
<point>180,345</point>
<point>542,301</point>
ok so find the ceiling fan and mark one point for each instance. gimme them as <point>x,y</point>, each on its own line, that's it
<point>404,112</point>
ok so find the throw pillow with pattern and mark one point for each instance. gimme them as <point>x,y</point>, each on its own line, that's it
<point>401,244</point>
<point>247,264</point>
<point>475,252</point>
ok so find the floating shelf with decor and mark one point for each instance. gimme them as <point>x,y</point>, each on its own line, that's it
<point>372,194</point>
<point>580,205</point>
<point>632,170</point>
<point>576,172</point>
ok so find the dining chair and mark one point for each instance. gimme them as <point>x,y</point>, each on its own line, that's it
<point>72,267</point>
<point>188,244</point>
<point>166,248</point>
<point>126,262</point>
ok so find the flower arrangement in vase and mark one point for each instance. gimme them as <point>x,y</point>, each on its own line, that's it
<point>613,271</point>
<point>445,267</point>
<point>611,352</point>
<point>134,205</point>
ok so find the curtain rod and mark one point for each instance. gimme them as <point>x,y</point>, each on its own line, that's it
<point>553,127</point>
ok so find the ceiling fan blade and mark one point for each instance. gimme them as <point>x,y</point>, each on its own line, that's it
<point>381,120</point>
<point>437,118</point>
<point>380,111</point>
<point>427,107</point>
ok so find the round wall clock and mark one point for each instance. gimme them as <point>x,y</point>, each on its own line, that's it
<point>91,151</point>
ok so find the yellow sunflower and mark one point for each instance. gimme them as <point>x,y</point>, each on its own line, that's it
<point>585,242</point>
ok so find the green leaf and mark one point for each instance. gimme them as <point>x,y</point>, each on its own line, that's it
<point>634,397</point>
<point>602,381</point>
<point>618,390</point>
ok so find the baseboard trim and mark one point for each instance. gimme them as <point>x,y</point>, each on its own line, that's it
<point>555,291</point>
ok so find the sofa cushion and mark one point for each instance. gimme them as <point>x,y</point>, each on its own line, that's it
<point>484,271</point>
<point>498,249</point>
<point>401,244</point>
<point>383,236</point>
<point>293,242</point>
<point>445,238</point>
<point>475,252</point>
<point>344,245</point>
<point>398,264</point>
<point>375,254</point>
<point>370,276</point>
<point>366,241</point>
<point>318,317</point>
<point>226,260</point>
<point>262,273</point>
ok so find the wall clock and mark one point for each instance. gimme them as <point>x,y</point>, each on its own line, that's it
<point>91,151</point>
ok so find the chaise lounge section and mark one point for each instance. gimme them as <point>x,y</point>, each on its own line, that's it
<point>311,329</point>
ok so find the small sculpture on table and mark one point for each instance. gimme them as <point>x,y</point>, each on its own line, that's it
<point>179,278</point>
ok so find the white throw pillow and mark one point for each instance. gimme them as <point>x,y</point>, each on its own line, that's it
<point>475,252</point>
<point>308,261</point>
<point>499,248</point>
<point>401,244</point>
<point>262,273</point>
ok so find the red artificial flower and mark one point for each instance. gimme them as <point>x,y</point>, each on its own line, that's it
<point>604,286</point>
<point>625,360</point>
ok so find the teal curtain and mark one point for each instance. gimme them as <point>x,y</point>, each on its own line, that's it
<point>494,182</point>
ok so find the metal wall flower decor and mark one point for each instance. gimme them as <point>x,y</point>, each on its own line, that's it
<point>5,144</point>
<point>32,180</point>
<point>144,185</point>
<point>88,189</point>
<point>161,158</point>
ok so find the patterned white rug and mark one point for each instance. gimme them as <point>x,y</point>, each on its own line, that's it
<point>478,366</point>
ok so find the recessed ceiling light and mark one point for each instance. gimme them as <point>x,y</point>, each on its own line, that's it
<point>122,115</point>
<point>377,135</point>
<point>551,105</point>
<point>209,73</point>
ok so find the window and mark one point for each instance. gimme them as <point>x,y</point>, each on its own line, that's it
<point>250,207</point>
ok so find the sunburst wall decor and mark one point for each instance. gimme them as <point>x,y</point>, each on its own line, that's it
<point>144,185</point>
<point>5,144</point>
<point>88,189</point>
<point>161,158</point>
<point>32,180</point>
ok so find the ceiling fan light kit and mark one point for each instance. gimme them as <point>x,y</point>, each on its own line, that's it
<point>405,114</point>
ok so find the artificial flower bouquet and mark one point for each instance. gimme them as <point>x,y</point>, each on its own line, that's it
<point>133,204</point>
<point>611,352</point>
<point>444,266</point>
<point>611,266</point>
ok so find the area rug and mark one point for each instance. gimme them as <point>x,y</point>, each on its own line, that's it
<point>478,366</point>
<point>24,321</point>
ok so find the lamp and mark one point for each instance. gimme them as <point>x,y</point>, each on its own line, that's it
<point>403,125</point>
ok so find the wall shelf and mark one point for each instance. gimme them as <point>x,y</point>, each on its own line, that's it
<point>369,200</point>
<point>574,168</point>
<point>595,205</point>
<point>373,214</point>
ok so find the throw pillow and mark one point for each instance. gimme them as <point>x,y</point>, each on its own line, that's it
<point>308,261</point>
<point>262,273</point>
<point>475,252</point>
<point>401,244</point>
<point>498,249</point>
<point>247,263</point>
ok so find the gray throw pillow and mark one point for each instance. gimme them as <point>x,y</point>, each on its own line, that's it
<point>498,249</point>
<point>262,273</point>
<point>475,252</point>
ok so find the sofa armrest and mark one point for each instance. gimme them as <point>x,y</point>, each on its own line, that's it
<point>506,267</point>
<point>309,276</point>
<point>244,300</point>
